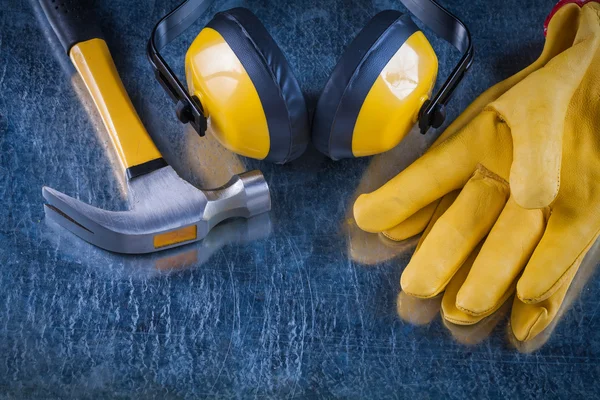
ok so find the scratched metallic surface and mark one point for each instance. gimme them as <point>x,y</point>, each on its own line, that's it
<point>300,304</point>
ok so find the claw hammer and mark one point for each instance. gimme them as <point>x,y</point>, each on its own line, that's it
<point>166,211</point>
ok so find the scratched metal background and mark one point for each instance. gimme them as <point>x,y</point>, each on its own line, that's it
<point>299,304</point>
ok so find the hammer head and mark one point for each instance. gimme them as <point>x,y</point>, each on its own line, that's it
<point>166,211</point>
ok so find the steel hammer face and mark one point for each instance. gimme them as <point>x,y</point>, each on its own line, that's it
<point>166,211</point>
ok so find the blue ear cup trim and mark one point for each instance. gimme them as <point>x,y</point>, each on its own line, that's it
<point>279,91</point>
<point>352,79</point>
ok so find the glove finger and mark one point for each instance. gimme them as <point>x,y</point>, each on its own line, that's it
<point>455,234</point>
<point>422,221</point>
<point>528,321</point>
<point>466,328</point>
<point>443,206</point>
<point>413,225</point>
<point>565,241</point>
<point>449,310</point>
<point>535,110</point>
<point>413,309</point>
<point>445,168</point>
<point>503,256</point>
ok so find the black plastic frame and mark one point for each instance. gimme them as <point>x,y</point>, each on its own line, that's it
<point>447,26</point>
<point>188,109</point>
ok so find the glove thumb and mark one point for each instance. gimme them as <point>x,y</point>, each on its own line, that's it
<point>535,110</point>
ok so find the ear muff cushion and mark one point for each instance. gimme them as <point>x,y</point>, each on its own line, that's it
<point>352,79</point>
<point>280,94</point>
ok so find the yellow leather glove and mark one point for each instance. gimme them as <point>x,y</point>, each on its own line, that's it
<point>544,118</point>
<point>471,331</point>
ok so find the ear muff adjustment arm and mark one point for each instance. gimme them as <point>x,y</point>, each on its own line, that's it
<point>453,30</point>
<point>434,118</point>
<point>185,113</point>
<point>188,108</point>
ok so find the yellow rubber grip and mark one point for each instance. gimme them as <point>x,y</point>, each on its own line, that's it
<point>131,140</point>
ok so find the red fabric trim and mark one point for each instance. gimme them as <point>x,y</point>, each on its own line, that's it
<point>559,5</point>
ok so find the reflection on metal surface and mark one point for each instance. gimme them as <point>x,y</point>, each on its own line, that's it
<point>84,97</point>
<point>103,138</point>
<point>143,267</point>
<point>477,333</point>
<point>210,164</point>
<point>417,311</point>
<point>371,248</point>
<point>586,271</point>
<point>423,311</point>
<point>51,39</point>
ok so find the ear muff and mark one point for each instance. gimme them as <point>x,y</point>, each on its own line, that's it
<point>247,89</point>
<point>375,92</point>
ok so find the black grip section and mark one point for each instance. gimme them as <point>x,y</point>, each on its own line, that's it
<point>145,168</point>
<point>73,21</point>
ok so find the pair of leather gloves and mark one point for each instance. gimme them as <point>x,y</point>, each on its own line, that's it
<point>508,198</point>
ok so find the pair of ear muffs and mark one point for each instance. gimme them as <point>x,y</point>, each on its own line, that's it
<point>241,84</point>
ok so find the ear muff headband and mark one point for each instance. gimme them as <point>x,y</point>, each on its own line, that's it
<point>437,18</point>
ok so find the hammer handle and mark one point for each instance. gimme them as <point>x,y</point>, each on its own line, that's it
<point>72,21</point>
<point>75,27</point>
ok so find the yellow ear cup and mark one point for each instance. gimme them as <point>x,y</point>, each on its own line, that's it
<point>253,102</point>
<point>392,106</point>
<point>228,96</point>
<point>374,94</point>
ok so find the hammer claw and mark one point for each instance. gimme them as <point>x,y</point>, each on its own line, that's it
<point>59,211</point>
<point>62,219</point>
<point>165,212</point>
